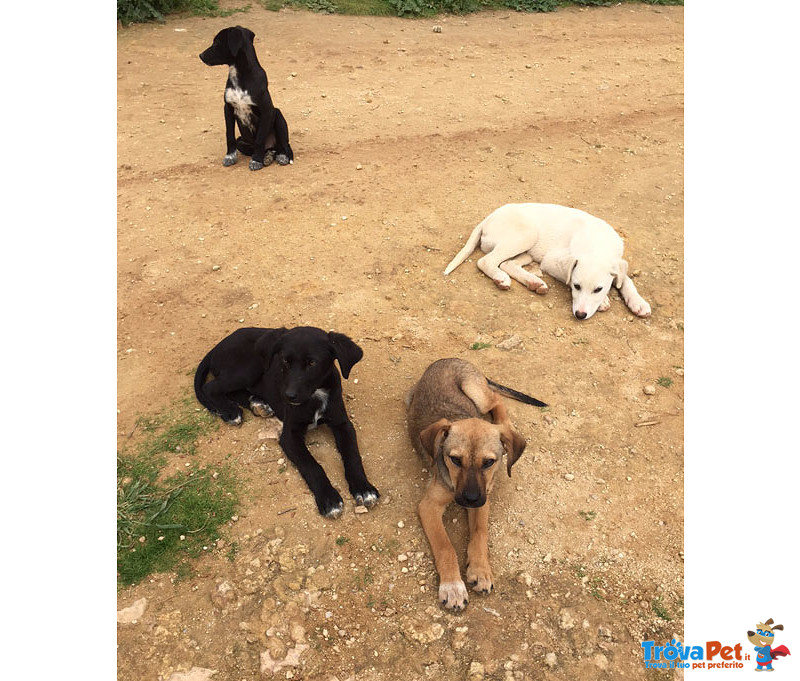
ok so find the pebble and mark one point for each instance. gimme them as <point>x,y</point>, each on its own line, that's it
<point>402,558</point>
<point>601,661</point>
<point>649,390</point>
<point>216,268</point>
<point>476,671</point>
<point>401,524</point>
<point>569,476</point>
<point>361,509</point>
<point>359,167</point>
<point>550,660</point>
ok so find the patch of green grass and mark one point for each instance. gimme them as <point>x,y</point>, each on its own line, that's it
<point>660,609</point>
<point>664,381</point>
<point>480,346</point>
<point>233,551</point>
<point>587,515</point>
<point>136,11</point>
<point>341,541</point>
<point>154,510</point>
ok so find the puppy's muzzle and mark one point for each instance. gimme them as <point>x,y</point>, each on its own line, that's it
<point>580,315</point>
<point>470,496</point>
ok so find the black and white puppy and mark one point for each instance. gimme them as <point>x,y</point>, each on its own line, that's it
<point>290,373</point>
<point>264,132</point>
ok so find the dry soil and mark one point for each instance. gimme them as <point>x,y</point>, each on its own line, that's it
<point>404,139</point>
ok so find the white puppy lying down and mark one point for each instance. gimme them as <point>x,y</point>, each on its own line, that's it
<point>569,244</point>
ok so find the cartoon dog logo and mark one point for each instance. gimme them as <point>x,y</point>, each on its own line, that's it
<point>762,639</point>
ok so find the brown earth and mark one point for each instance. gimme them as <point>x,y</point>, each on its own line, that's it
<point>404,139</point>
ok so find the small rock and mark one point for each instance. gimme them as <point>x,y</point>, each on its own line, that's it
<point>548,558</point>
<point>361,509</point>
<point>359,166</point>
<point>565,619</point>
<point>132,613</point>
<point>510,343</point>
<point>476,671</point>
<point>649,390</point>
<point>569,476</point>
<point>216,268</point>
<point>550,660</point>
<point>402,557</point>
<point>400,524</point>
<point>224,595</point>
<point>558,332</point>
<point>601,661</point>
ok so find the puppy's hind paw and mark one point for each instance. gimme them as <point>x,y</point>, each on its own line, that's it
<point>232,419</point>
<point>261,409</point>
<point>230,159</point>
<point>453,595</point>
<point>255,165</point>
<point>503,283</point>
<point>282,159</point>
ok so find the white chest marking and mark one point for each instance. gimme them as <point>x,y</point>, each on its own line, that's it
<point>322,396</point>
<point>239,99</point>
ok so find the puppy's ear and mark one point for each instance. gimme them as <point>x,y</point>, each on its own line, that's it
<point>513,444</point>
<point>434,435</point>
<point>570,264</point>
<point>620,272</point>
<point>236,39</point>
<point>268,344</point>
<point>777,626</point>
<point>345,350</point>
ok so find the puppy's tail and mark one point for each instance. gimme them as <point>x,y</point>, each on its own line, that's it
<point>515,394</point>
<point>464,253</point>
<point>199,380</point>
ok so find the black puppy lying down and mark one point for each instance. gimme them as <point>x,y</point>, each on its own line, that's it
<point>264,132</point>
<point>291,373</point>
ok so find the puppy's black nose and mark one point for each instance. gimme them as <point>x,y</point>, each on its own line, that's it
<point>580,315</point>
<point>291,395</point>
<point>471,496</point>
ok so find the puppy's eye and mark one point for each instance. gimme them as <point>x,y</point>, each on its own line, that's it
<point>598,289</point>
<point>488,463</point>
<point>456,461</point>
<point>285,363</point>
<point>311,363</point>
<point>577,287</point>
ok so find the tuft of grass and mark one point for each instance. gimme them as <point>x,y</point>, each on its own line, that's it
<point>165,521</point>
<point>341,541</point>
<point>587,515</point>
<point>480,346</point>
<point>664,381</point>
<point>660,610</point>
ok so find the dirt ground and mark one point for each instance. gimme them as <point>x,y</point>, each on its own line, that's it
<point>404,139</point>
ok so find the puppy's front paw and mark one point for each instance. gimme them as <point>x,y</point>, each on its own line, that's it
<point>255,165</point>
<point>605,305</point>
<point>480,579</point>
<point>453,595</point>
<point>639,306</point>
<point>282,159</point>
<point>330,504</point>
<point>230,159</point>
<point>367,497</point>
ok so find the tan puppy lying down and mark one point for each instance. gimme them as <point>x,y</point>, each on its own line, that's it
<point>570,245</point>
<point>446,423</point>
